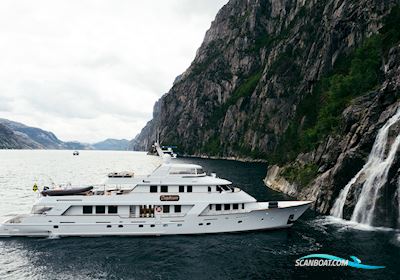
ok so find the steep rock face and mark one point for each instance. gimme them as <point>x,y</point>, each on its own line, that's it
<point>257,61</point>
<point>340,157</point>
<point>148,135</point>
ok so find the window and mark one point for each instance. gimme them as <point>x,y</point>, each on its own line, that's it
<point>140,225</point>
<point>209,189</point>
<point>189,189</point>
<point>120,226</point>
<point>108,226</point>
<point>164,188</point>
<point>181,188</point>
<point>219,189</point>
<point>87,209</point>
<point>177,209</point>
<point>100,209</point>
<point>153,188</point>
<point>200,171</point>
<point>242,205</point>
<point>226,188</point>
<point>166,208</point>
<point>112,209</point>
<point>235,206</point>
<point>152,225</point>
<point>210,206</point>
<point>218,207</point>
<point>227,207</point>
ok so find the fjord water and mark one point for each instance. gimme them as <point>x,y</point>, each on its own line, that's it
<point>249,255</point>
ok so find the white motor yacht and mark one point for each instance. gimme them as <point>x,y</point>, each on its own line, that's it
<point>173,199</point>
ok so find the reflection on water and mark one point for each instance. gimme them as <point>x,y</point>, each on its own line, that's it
<point>250,255</point>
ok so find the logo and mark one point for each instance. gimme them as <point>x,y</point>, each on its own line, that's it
<point>330,260</point>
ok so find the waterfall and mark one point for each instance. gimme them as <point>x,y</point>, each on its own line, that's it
<point>398,200</point>
<point>375,170</point>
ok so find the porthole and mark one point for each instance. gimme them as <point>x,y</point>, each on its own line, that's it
<point>239,222</point>
<point>108,226</point>
<point>208,224</point>
<point>179,225</point>
<point>200,224</point>
<point>152,225</point>
<point>55,226</point>
<point>120,226</point>
<point>140,225</point>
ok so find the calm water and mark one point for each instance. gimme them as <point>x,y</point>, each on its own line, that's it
<point>252,255</point>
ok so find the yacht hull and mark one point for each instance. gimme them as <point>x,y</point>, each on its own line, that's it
<point>259,219</point>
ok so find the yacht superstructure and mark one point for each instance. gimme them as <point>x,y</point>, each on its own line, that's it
<point>173,199</point>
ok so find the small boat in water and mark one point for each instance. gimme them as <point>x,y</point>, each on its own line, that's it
<point>176,198</point>
<point>75,153</point>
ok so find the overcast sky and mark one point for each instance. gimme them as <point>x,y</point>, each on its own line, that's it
<point>90,70</point>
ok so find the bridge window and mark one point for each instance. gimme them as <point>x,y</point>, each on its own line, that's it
<point>112,209</point>
<point>235,206</point>
<point>189,189</point>
<point>87,209</point>
<point>226,188</point>
<point>218,207</point>
<point>153,189</point>
<point>100,209</point>
<point>200,171</point>
<point>164,188</point>
<point>227,207</point>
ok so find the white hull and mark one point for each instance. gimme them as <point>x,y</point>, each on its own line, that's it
<point>260,219</point>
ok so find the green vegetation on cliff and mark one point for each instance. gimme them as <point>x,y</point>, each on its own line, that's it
<point>301,175</point>
<point>244,90</point>
<point>319,113</point>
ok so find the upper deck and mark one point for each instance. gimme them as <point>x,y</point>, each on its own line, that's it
<point>170,174</point>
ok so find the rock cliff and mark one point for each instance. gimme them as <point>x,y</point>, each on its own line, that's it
<point>305,85</point>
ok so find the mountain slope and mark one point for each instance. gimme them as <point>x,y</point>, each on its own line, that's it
<point>112,144</point>
<point>8,140</point>
<point>14,135</point>
<point>33,137</point>
<point>304,84</point>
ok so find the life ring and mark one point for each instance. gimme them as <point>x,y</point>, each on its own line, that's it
<point>158,209</point>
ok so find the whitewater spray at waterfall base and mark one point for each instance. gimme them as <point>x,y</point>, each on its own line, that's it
<point>376,171</point>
